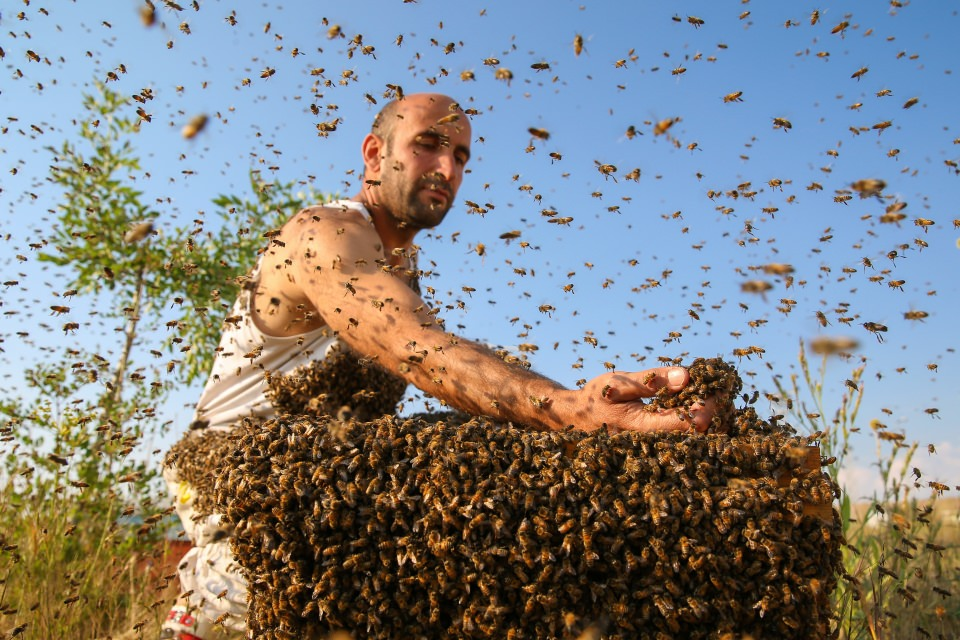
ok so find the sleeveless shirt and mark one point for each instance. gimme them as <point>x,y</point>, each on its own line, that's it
<point>237,384</point>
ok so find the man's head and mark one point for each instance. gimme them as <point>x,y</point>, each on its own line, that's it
<point>414,158</point>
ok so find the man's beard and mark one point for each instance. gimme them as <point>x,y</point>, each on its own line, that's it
<point>413,206</point>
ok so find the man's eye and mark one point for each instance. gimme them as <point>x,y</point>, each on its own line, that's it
<point>428,142</point>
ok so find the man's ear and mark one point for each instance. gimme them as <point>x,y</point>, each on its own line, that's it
<point>372,149</point>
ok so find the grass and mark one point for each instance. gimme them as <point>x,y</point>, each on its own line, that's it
<point>81,534</point>
<point>902,549</point>
<point>84,553</point>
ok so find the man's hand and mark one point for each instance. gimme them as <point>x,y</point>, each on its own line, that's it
<point>615,400</point>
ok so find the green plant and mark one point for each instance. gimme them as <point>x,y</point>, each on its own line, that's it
<point>81,505</point>
<point>900,563</point>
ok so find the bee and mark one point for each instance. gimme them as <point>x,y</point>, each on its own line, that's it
<point>540,134</point>
<point>607,170</point>
<point>840,28</point>
<point>540,66</point>
<point>880,126</point>
<point>539,401</point>
<point>859,73</point>
<point>577,44</point>
<point>782,123</point>
<point>915,315</point>
<point>194,126</point>
<point>695,21</point>
<point>503,74</point>
<point>755,286</point>
<point>869,187</point>
<point>662,126</point>
<point>138,232</point>
<point>733,97</point>
<point>892,218</point>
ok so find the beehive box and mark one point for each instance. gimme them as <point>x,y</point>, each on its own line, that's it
<point>445,528</point>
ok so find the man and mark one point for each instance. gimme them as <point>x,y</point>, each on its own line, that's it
<point>335,274</point>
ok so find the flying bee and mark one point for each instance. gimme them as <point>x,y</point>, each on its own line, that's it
<point>892,218</point>
<point>577,44</point>
<point>755,286</point>
<point>194,126</point>
<point>662,126</point>
<point>876,328</point>
<point>606,169</point>
<point>695,21</point>
<point>840,28</point>
<point>939,487</point>
<point>540,134</point>
<point>138,232</point>
<point>859,73</point>
<point>782,123</point>
<point>915,315</point>
<point>909,103</point>
<point>869,187</point>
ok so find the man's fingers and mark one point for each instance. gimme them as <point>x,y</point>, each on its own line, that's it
<point>703,413</point>
<point>624,387</point>
<point>659,421</point>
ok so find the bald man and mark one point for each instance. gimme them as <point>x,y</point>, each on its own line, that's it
<point>338,275</point>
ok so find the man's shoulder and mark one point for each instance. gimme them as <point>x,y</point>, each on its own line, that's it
<point>331,213</point>
<point>331,227</point>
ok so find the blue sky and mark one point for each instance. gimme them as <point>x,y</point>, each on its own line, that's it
<point>647,244</point>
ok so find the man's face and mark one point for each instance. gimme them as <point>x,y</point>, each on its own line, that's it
<point>422,165</point>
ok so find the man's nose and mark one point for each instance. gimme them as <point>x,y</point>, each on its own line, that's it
<point>447,166</point>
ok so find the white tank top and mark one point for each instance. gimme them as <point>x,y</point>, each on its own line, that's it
<point>238,380</point>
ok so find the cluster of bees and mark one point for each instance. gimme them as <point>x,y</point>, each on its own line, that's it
<point>341,384</point>
<point>456,527</point>
<point>710,378</point>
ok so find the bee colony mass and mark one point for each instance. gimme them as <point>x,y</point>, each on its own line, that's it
<point>444,527</point>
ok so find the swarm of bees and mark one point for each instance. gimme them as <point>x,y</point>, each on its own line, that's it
<point>439,525</point>
<point>343,384</point>
<point>709,378</point>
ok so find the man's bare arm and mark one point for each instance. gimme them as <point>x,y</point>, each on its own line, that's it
<point>338,262</point>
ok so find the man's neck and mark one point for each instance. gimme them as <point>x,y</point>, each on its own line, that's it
<point>393,234</point>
